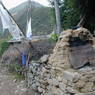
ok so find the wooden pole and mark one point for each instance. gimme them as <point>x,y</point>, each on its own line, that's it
<point>58,18</point>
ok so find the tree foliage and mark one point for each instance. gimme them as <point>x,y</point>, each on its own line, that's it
<point>87,8</point>
<point>75,11</point>
<point>70,14</point>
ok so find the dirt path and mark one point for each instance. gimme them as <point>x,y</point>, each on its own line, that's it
<point>9,85</point>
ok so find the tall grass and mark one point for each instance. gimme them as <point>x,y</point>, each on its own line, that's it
<point>3,46</point>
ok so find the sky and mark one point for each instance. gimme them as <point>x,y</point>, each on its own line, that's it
<point>13,3</point>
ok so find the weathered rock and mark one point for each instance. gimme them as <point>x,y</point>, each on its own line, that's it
<point>44,58</point>
<point>62,86</point>
<point>81,55</point>
<point>71,76</point>
<point>80,84</point>
<point>70,90</point>
<point>40,89</point>
<point>55,82</point>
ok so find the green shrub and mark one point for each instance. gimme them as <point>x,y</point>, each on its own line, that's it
<point>3,46</point>
<point>54,37</point>
<point>16,69</point>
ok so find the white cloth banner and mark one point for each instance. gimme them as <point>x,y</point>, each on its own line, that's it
<point>29,30</point>
<point>6,21</point>
<point>9,23</point>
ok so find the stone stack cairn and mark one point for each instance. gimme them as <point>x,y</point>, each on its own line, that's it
<point>75,47</point>
<point>70,70</point>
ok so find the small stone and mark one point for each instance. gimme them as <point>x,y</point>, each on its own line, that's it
<point>37,84</point>
<point>55,82</point>
<point>40,89</point>
<point>34,87</point>
<point>15,80</point>
<point>56,91</point>
<point>71,76</point>
<point>50,81</point>
<point>44,58</point>
<point>62,86</point>
<point>64,81</point>
<point>71,90</point>
<point>80,84</point>
<point>22,82</point>
<point>60,78</point>
<point>24,89</point>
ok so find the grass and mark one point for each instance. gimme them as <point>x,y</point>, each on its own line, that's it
<point>16,70</point>
<point>19,76</point>
<point>3,45</point>
<point>14,67</point>
<point>54,37</point>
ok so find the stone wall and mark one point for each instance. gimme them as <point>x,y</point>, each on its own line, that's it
<point>74,47</point>
<point>55,75</point>
<point>49,80</point>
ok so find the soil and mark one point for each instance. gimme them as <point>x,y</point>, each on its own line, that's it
<point>10,86</point>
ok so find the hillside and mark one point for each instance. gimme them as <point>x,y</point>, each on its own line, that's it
<point>40,15</point>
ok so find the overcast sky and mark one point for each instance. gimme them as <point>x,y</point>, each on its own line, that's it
<point>13,3</point>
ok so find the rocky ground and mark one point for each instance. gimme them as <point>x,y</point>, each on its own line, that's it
<point>49,80</point>
<point>10,86</point>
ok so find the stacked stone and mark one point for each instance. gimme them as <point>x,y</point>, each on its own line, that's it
<point>54,75</point>
<point>63,52</point>
<point>50,81</point>
<point>38,75</point>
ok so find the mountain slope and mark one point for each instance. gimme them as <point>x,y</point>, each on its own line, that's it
<point>40,15</point>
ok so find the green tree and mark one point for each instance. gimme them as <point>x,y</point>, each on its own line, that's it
<point>56,5</point>
<point>70,14</point>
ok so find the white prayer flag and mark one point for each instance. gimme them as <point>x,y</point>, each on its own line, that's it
<point>9,23</point>
<point>29,30</point>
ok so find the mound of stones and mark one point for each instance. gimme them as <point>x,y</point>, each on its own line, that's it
<point>75,47</point>
<point>50,81</point>
<point>70,70</point>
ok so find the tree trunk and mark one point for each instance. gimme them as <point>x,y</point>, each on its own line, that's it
<point>82,21</point>
<point>58,20</point>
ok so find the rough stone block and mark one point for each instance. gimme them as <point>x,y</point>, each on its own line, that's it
<point>71,76</point>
